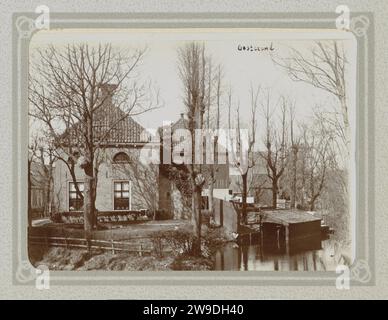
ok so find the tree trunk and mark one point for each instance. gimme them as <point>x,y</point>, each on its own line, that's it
<point>29,210</point>
<point>293,186</point>
<point>312,205</point>
<point>244,197</point>
<point>90,183</point>
<point>88,204</point>
<point>303,182</point>
<point>48,200</point>
<point>274,193</point>
<point>211,199</point>
<point>94,195</point>
<point>313,201</point>
<point>89,194</point>
<point>196,221</point>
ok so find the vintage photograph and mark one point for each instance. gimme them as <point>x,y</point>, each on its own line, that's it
<point>191,149</point>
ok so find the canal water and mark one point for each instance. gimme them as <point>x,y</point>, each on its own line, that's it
<point>311,254</point>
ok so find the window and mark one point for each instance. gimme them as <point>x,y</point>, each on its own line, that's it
<point>121,157</point>
<point>121,195</point>
<point>76,202</point>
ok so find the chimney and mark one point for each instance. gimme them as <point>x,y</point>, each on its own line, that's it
<point>106,91</point>
<point>182,115</point>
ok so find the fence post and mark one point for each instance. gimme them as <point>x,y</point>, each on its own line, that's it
<point>141,250</point>
<point>113,246</point>
<point>64,236</point>
<point>87,240</point>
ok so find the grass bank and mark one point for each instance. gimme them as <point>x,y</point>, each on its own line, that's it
<point>58,258</point>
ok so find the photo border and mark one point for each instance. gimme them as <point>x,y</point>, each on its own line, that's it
<point>25,273</point>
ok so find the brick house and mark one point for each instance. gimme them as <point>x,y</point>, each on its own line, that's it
<point>123,182</point>
<point>118,185</point>
<point>171,194</point>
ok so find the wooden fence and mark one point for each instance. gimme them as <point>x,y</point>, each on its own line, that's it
<point>107,245</point>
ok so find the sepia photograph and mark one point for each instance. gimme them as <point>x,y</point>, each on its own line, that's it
<point>191,149</point>
<point>193,158</point>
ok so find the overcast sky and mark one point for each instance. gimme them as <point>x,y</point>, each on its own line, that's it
<point>241,68</point>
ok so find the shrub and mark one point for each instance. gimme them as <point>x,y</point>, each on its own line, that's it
<point>179,241</point>
<point>157,243</point>
<point>212,238</point>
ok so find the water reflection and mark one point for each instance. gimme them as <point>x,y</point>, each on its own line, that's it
<point>309,254</point>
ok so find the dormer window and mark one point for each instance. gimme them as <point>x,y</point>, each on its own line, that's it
<point>120,158</point>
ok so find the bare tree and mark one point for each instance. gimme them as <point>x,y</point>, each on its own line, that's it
<point>70,92</point>
<point>229,108</point>
<point>32,149</point>
<point>330,125</point>
<point>244,170</point>
<point>41,160</point>
<point>302,152</point>
<point>319,160</point>
<point>231,144</point>
<point>295,142</point>
<point>213,111</point>
<point>323,68</point>
<point>194,70</point>
<point>46,161</point>
<point>275,141</point>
